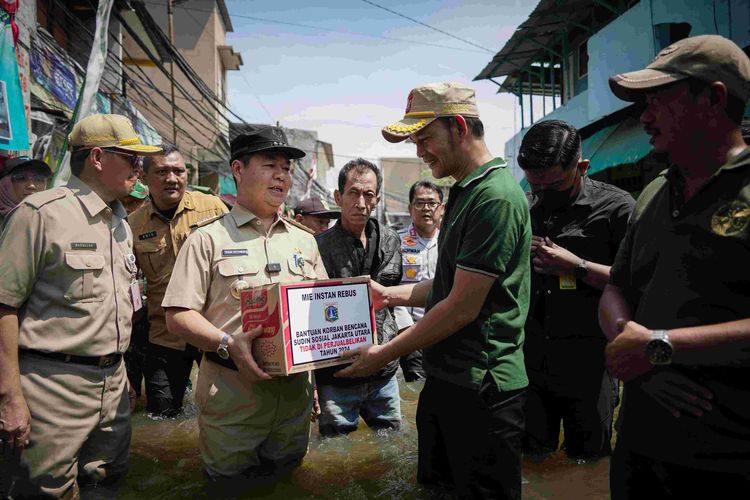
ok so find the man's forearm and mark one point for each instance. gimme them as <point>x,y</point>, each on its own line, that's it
<point>10,378</point>
<point>411,295</point>
<point>440,322</point>
<point>716,344</point>
<point>597,276</point>
<point>614,312</point>
<point>193,328</point>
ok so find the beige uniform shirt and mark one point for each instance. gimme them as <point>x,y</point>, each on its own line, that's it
<point>66,263</point>
<point>157,242</point>
<point>235,248</point>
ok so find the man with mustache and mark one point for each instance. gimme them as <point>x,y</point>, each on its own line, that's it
<point>676,306</point>
<point>67,296</point>
<point>359,245</point>
<point>252,427</point>
<point>578,224</point>
<point>160,228</point>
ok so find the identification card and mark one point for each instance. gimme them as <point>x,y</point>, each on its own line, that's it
<point>567,282</point>
<point>135,295</point>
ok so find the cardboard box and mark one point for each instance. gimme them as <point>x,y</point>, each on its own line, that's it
<point>309,323</point>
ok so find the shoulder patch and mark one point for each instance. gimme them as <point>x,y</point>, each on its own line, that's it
<point>37,200</point>
<point>297,224</point>
<point>206,222</point>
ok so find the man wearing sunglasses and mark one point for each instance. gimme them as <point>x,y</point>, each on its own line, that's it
<point>66,300</point>
<point>19,178</point>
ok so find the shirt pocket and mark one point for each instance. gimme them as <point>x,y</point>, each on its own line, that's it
<point>238,274</point>
<point>87,281</point>
<point>153,258</point>
<point>305,271</point>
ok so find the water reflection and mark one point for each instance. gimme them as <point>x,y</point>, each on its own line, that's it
<point>165,464</point>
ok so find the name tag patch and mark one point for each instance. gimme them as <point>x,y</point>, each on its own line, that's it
<point>81,245</point>
<point>234,252</point>
<point>146,236</point>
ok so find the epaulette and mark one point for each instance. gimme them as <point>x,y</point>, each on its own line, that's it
<point>206,222</point>
<point>297,224</point>
<point>38,200</point>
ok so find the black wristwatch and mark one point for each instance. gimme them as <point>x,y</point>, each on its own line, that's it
<point>581,270</point>
<point>659,348</point>
<point>222,350</point>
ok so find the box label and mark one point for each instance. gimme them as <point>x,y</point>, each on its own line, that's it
<point>325,321</point>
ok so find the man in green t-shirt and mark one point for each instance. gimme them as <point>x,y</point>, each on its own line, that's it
<point>476,306</point>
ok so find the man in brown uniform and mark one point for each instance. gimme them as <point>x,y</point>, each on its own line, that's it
<point>159,230</point>
<point>65,316</point>
<point>250,425</point>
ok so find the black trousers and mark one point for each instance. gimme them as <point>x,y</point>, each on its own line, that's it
<point>585,412</point>
<point>634,476</point>
<point>470,440</point>
<point>167,374</point>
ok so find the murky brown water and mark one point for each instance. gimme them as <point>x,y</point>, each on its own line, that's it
<point>165,464</point>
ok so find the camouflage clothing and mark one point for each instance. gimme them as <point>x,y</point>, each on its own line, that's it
<point>344,257</point>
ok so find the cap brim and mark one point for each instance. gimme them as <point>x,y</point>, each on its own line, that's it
<point>401,130</point>
<point>33,163</point>
<point>141,149</point>
<point>631,86</point>
<point>293,153</point>
<point>329,214</point>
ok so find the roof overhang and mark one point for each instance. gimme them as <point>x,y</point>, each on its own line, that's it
<point>230,59</point>
<point>539,39</point>
<point>225,15</point>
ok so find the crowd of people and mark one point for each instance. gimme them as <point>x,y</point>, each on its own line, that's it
<point>522,312</point>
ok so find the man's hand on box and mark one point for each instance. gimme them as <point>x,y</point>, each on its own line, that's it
<point>241,351</point>
<point>379,295</point>
<point>366,361</point>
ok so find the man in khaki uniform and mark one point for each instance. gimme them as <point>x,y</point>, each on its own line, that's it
<point>250,425</point>
<point>159,230</point>
<point>65,319</point>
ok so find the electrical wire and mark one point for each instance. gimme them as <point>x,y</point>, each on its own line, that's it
<point>328,30</point>
<point>428,26</point>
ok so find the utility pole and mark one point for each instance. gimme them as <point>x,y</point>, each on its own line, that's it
<point>170,12</point>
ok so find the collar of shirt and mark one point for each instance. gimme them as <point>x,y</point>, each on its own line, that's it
<point>242,216</point>
<point>91,201</point>
<point>481,171</point>
<point>186,203</point>
<point>426,242</point>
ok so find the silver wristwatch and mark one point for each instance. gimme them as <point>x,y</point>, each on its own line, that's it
<point>659,348</point>
<point>581,270</point>
<point>222,351</point>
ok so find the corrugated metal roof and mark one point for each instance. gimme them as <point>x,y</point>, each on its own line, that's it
<point>535,39</point>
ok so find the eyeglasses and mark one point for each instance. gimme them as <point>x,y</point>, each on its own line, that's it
<point>28,176</point>
<point>432,205</point>
<point>133,159</point>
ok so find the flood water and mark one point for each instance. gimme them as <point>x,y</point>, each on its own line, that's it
<point>165,464</point>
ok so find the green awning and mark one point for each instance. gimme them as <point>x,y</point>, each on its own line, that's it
<point>618,144</point>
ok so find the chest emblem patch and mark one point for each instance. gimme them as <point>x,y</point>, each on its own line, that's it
<point>145,236</point>
<point>411,273</point>
<point>731,218</point>
<point>409,241</point>
<point>299,260</point>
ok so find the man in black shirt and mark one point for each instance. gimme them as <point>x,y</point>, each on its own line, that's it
<point>358,245</point>
<point>676,307</point>
<point>577,225</point>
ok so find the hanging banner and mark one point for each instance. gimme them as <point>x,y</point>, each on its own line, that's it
<point>14,132</point>
<point>92,78</point>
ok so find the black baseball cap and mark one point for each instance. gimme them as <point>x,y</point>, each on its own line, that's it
<point>24,161</point>
<point>255,139</point>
